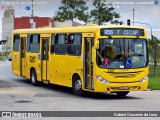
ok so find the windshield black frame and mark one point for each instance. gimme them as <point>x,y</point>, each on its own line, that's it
<point>123,62</point>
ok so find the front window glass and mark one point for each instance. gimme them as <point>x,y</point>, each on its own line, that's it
<point>122,53</point>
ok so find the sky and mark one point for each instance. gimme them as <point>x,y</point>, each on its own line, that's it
<point>146,11</point>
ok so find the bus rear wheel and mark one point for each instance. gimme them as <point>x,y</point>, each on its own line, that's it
<point>77,86</point>
<point>122,93</point>
<point>34,78</point>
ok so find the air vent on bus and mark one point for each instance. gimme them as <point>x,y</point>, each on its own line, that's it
<point>125,74</point>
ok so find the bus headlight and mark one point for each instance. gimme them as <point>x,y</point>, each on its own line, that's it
<point>143,79</point>
<point>102,79</point>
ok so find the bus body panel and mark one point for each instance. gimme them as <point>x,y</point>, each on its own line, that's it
<point>60,69</point>
<point>116,80</point>
<point>19,57</point>
<point>115,87</point>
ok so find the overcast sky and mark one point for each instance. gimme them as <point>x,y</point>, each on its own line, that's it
<point>146,11</point>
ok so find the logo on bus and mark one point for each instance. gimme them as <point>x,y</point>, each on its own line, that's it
<point>128,63</point>
<point>32,59</point>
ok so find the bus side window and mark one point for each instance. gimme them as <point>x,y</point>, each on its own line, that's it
<point>16,43</point>
<point>52,43</point>
<point>28,42</point>
<point>74,46</point>
<point>35,43</point>
<point>60,44</point>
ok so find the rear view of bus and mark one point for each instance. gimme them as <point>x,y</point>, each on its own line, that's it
<point>121,60</point>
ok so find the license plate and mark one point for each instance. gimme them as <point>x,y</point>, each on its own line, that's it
<point>124,88</point>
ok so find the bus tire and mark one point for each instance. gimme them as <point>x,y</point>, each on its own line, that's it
<point>77,86</point>
<point>122,93</point>
<point>33,78</point>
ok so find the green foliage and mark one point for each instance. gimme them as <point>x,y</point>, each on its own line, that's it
<point>154,53</point>
<point>154,83</point>
<point>77,9</point>
<point>81,12</point>
<point>153,46</point>
<point>151,69</point>
<point>3,56</point>
<point>71,9</point>
<point>153,42</point>
<point>104,13</point>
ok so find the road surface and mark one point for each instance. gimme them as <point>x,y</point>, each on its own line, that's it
<point>17,94</point>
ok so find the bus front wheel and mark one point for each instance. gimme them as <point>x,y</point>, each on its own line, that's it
<point>34,78</point>
<point>77,85</point>
<point>122,93</point>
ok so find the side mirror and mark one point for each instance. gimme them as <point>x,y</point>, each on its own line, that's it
<point>96,44</point>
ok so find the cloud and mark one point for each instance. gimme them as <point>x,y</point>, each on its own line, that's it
<point>148,13</point>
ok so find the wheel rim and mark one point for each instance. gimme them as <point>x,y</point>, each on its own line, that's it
<point>33,78</point>
<point>78,85</point>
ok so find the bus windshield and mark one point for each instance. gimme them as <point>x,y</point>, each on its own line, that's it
<point>122,53</point>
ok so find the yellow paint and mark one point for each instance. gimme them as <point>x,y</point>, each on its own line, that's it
<point>60,68</point>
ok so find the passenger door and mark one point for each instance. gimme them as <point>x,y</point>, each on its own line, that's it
<point>88,62</point>
<point>22,56</point>
<point>45,58</point>
<point>16,55</point>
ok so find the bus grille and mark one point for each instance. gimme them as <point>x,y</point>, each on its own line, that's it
<point>124,74</point>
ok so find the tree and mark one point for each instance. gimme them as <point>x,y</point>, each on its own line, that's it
<point>72,9</point>
<point>104,13</point>
<point>77,9</point>
<point>153,44</point>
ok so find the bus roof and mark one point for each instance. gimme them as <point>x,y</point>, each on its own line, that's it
<point>76,29</point>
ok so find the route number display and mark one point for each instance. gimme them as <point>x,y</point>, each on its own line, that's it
<point>122,32</point>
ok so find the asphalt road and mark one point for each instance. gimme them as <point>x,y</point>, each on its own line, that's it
<point>17,94</point>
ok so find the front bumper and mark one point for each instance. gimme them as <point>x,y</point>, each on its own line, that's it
<point>116,87</point>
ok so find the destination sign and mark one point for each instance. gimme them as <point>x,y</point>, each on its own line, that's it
<point>122,32</point>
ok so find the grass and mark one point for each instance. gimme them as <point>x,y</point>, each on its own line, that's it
<point>154,83</point>
<point>0,58</point>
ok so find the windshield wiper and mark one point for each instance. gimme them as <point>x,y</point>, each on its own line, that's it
<point>110,37</point>
<point>127,55</point>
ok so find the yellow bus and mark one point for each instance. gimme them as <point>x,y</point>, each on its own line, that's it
<point>86,58</point>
